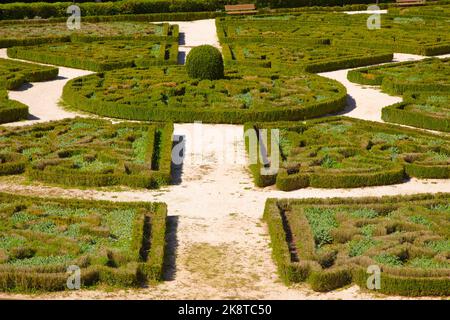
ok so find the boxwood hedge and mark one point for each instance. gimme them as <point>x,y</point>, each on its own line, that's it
<point>167,93</point>
<point>340,152</point>
<point>23,34</point>
<point>331,242</point>
<point>13,74</point>
<point>118,244</point>
<point>101,55</point>
<point>88,152</point>
<point>424,86</point>
<point>11,110</point>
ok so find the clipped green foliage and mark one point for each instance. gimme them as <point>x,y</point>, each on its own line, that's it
<point>100,55</point>
<point>40,32</point>
<point>205,63</point>
<point>11,110</point>
<point>13,74</point>
<point>168,93</point>
<point>341,152</point>
<point>88,152</point>
<point>110,242</point>
<point>413,256</point>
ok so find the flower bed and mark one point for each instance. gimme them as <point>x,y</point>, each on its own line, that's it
<point>340,152</point>
<point>116,244</point>
<point>100,55</point>
<point>331,243</point>
<point>87,152</point>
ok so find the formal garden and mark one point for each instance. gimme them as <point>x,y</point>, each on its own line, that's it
<point>98,188</point>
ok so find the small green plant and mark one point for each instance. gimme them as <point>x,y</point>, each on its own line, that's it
<point>205,62</point>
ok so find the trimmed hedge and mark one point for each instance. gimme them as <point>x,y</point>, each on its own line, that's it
<point>11,110</point>
<point>424,85</point>
<point>138,229</point>
<point>43,32</point>
<point>13,74</point>
<point>102,55</point>
<point>169,94</point>
<point>318,153</point>
<point>205,63</point>
<point>421,267</point>
<point>140,156</point>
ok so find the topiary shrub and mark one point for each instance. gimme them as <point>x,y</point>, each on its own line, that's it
<point>205,62</point>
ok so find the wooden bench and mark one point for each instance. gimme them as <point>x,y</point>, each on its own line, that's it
<point>241,9</point>
<point>410,2</point>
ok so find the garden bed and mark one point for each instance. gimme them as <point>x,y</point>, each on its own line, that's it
<point>115,244</point>
<point>424,85</point>
<point>11,110</point>
<point>330,243</point>
<point>21,34</point>
<point>101,55</point>
<point>168,93</point>
<point>13,74</point>
<point>340,152</point>
<point>88,152</point>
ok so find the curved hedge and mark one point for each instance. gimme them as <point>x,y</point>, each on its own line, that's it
<point>11,110</point>
<point>88,152</point>
<point>319,153</point>
<point>329,243</point>
<point>116,244</point>
<point>163,94</point>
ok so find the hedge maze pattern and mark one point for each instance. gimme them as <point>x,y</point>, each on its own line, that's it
<point>425,87</point>
<point>116,244</point>
<point>340,152</point>
<point>167,93</point>
<point>330,243</point>
<point>88,152</point>
<point>101,55</point>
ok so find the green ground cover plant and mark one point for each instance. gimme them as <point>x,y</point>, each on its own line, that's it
<point>424,85</point>
<point>168,93</point>
<point>20,34</point>
<point>100,55</point>
<point>89,152</point>
<point>13,74</point>
<point>330,243</point>
<point>341,152</point>
<point>11,110</point>
<point>423,35</point>
<point>114,244</point>
<point>308,58</point>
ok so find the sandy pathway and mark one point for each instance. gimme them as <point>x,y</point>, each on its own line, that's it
<point>219,247</point>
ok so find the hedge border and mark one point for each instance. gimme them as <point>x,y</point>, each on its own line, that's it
<point>54,278</point>
<point>323,280</point>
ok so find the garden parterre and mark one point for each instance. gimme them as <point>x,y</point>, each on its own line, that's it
<point>116,244</point>
<point>18,34</point>
<point>167,93</point>
<point>340,152</point>
<point>424,85</point>
<point>11,110</point>
<point>421,35</point>
<point>89,152</point>
<point>330,243</point>
<point>100,55</point>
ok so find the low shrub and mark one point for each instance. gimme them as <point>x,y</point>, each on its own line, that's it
<point>324,156</point>
<point>86,152</point>
<point>205,63</point>
<point>11,110</point>
<point>13,74</point>
<point>62,232</point>
<point>407,242</point>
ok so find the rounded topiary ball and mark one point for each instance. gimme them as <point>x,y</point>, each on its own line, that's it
<point>205,62</point>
